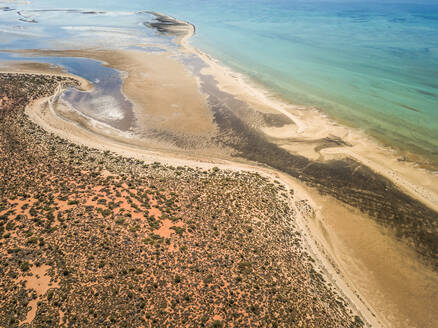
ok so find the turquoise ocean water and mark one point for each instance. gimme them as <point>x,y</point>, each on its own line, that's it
<point>371,65</point>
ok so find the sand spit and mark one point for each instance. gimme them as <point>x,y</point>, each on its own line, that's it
<point>343,271</point>
<point>92,217</point>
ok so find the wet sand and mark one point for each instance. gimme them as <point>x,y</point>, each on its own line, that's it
<point>386,273</point>
<point>398,288</point>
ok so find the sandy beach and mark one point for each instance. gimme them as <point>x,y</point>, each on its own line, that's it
<point>207,116</point>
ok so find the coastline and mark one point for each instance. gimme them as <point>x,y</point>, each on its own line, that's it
<point>105,168</point>
<point>418,182</point>
<point>48,120</point>
<point>313,124</point>
<point>326,248</point>
<point>308,125</point>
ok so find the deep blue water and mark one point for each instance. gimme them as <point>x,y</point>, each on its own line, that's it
<point>370,65</point>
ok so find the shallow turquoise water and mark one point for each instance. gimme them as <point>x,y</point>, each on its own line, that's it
<point>372,66</point>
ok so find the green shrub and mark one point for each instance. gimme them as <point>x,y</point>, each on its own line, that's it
<point>10,226</point>
<point>50,294</point>
<point>25,266</point>
<point>106,212</point>
<point>208,279</point>
<point>217,324</point>
<point>138,271</point>
<point>244,267</point>
<point>32,240</point>
<point>120,221</point>
<point>178,230</point>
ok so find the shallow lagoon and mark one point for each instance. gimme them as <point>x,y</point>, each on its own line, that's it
<point>105,103</point>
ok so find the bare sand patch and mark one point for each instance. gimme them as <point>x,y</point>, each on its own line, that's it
<point>40,282</point>
<point>165,229</point>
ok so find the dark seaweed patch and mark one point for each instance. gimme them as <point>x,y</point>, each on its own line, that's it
<point>28,20</point>
<point>275,120</point>
<point>347,180</point>
<point>166,24</point>
<point>92,12</point>
<point>409,107</point>
<point>426,93</point>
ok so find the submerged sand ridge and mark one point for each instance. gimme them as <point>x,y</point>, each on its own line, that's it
<point>236,120</point>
